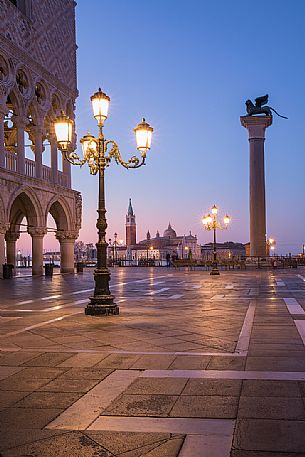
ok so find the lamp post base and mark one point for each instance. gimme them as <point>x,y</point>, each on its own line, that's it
<point>102,305</point>
<point>214,271</point>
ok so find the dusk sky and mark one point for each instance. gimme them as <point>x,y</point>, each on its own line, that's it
<point>188,68</point>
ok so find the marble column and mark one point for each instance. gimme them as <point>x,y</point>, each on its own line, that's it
<point>11,238</point>
<point>54,158</point>
<point>37,235</point>
<point>66,240</point>
<point>3,229</point>
<point>38,151</point>
<point>3,110</point>
<point>256,126</point>
<point>20,124</point>
<point>66,169</point>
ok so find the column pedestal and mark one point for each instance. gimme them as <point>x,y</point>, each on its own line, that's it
<point>256,126</point>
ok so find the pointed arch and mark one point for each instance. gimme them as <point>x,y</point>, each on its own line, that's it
<point>24,203</point>
<point>61,213</point>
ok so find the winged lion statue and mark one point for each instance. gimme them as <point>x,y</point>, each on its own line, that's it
<point>260,107</point>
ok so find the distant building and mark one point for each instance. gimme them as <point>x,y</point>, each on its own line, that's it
<point>227,250</point>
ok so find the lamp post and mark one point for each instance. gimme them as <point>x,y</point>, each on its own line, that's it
<point>98,153</point>
<point>211,223</point>
<point>114,247</point>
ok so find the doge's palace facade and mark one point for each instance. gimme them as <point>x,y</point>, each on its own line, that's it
<point>37,81</point>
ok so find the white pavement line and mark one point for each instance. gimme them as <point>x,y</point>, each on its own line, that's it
<point>5,372</point>
<point>301,277</point>
<point>293,306</point>
<point>81,291</point>
<point>159,291</point>
<point>216,427</point>
<point>229,286</point>
<point>207,445</point>
<point>175,297</point>
<point>222,374</point>
<point>41,324</point>
<point>7,319</point>
<point>51,297</point>
<point>85,410</point>
<point>300,325</point>
<point>280,283</point>
<point>196,287</point>
<point>245,333</point>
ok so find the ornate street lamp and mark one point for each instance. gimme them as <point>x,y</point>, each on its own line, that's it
<point>211,223</point>
<point>271,242</point>
<point>98,153</point>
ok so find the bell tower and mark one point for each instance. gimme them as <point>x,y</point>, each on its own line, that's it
<point>131,226</point>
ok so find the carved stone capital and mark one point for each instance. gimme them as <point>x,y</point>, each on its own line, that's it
<point>37,231</point>
<point>256,125</point>
<point>12,236</point>
<point>4,227</point>
<point>66,236</point>
<point>20,121</point>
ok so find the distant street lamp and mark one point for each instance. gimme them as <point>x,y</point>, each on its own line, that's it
<point>211,223</point>
<point>271,245</point>
<point>151,248</point>
<point>98,153</point>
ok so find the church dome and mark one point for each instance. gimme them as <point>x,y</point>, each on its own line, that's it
<point>169,232</point>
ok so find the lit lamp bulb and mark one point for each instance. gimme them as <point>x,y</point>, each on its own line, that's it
<point>88,145</point>
<point>226,219</point>
<point>214,210</point>
<point>100,105</point>
<point>143,133</point>
<point>63,130</point>
<point>208,219</point>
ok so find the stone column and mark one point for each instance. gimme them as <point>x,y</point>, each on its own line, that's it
<point>54,159</point>
<point>67,240</point>
<point>11,238</point>
<point>37,235</point>
<point>3,110</point>
<point>66,169</point>
<point>3,229</point>
<point>38,150</point>
<point>256,126</point>
<point>20,124</point>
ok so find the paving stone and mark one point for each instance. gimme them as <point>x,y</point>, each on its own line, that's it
<point>222,387</point>
<point>86,373</point>
<point>155,362</point>
<point>65,445</point>
<point>165,386</point>
<point>205,407</point>
<point>235,453</point>
<point>258,388</point>
<point>48,400</point>
<point>49,359</point>
<point>270,435</point>
<point>26,418</point>
<point>8,398</point>
<point>17,358</point>
<point>275,364</point>
<point>13,437</point>
<point>69,385</point>
<point>118,361</point>
<point>185,362</point>
<point>227,363</point>
<point>141,405</point>
<point>271,408</point>
<point>121,442</point>
<point>22,385</point>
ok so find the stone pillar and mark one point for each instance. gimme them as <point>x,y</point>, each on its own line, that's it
<point>54,159</point>
<point>20,124</point>
<point>256,126</point>
<point>37,235</point>
<point>38,150</point>
<point>66,240</point>
<point>66,169</point>
<point>3,229</point>
<point>11,238</point>
<point>3,110</point>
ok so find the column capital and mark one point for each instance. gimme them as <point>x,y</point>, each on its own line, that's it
<point>256,125</point>
<point>4,227</point>
<point>12,236</point>
<point>20,121</point>
<point>37,231</point>
<point>63,235</point>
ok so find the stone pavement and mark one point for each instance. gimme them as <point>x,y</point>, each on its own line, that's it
<point>194,366</point>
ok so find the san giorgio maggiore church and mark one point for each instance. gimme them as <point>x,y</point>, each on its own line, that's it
<point>157,247</point>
